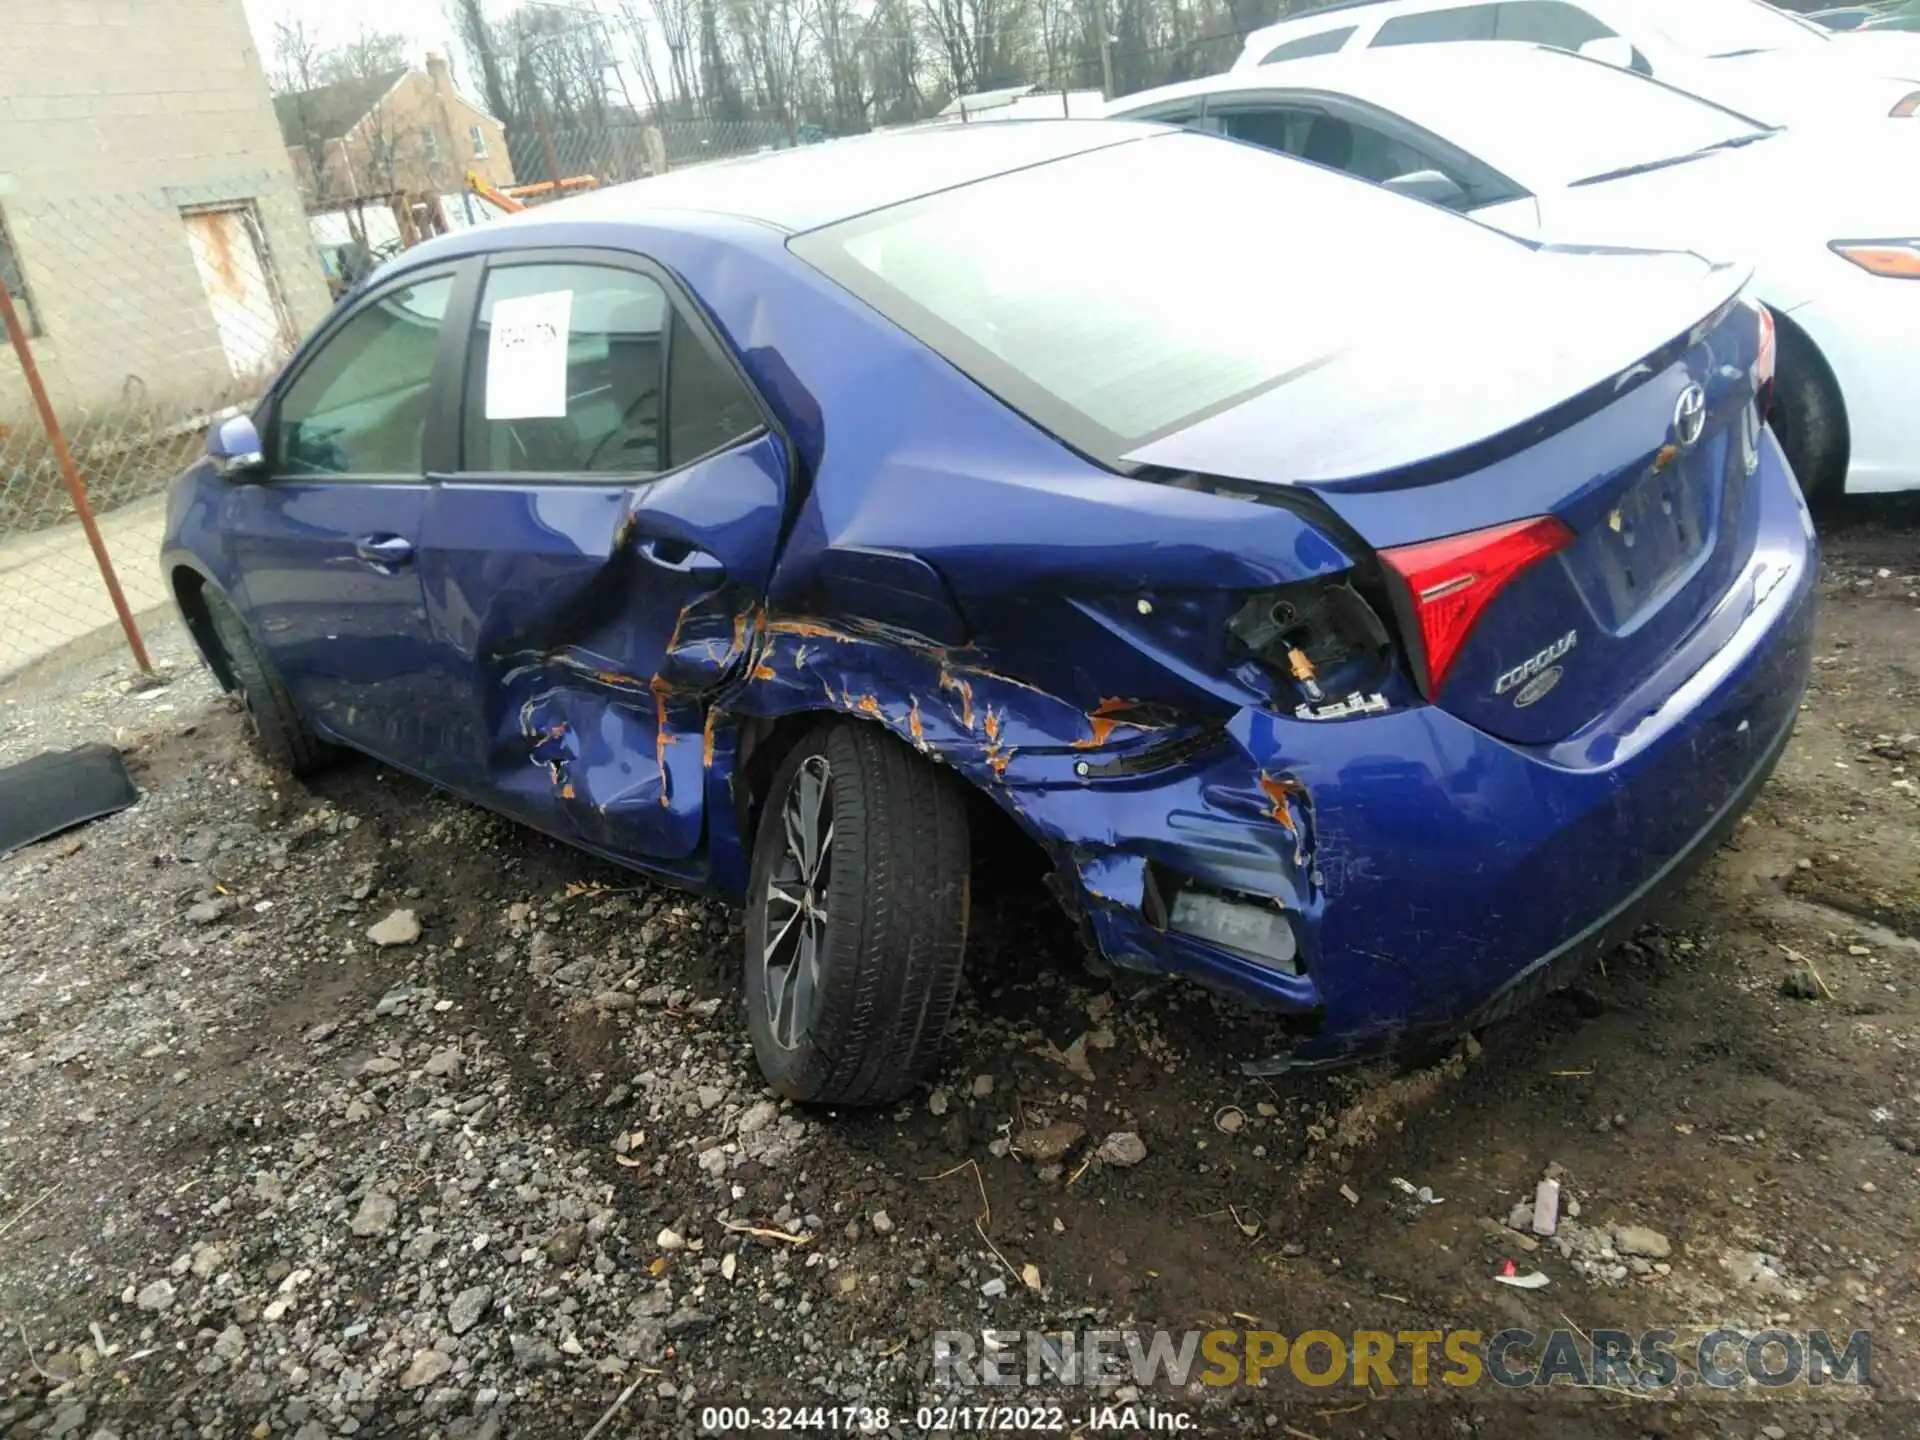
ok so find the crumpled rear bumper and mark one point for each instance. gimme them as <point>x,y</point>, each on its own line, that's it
<point>1437,877</point>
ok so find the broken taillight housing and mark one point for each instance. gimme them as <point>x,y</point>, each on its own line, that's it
<point>1451,581</point>
<point>1323,638</point>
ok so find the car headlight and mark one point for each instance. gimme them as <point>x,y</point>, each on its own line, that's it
<point>1899,259</point>
<point>1908,104</point>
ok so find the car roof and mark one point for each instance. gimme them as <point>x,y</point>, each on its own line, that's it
<point>815,185</point>
<point>1389,76</point>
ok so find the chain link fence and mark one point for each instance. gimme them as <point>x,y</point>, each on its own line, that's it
<point>148,316</point>
<point>151,316</point>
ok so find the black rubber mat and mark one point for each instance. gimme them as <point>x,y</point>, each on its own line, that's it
<point>51,793</point>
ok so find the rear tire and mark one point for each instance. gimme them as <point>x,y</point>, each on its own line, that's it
<point>1809,420</point>
<point>278,732</point>
<point>856,918</point>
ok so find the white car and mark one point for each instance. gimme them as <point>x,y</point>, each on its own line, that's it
<point>1740,53</point>
<point>1551,147</point>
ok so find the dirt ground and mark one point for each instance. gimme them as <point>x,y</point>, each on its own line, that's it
<point>260,1175</point>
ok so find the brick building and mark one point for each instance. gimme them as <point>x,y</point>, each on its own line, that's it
<point>151,230</point>
<point>402,130</point>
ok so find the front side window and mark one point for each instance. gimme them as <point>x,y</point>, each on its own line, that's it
<point>359,406</point>
<point>587,369</point>
<point>1325,43</point>
<point>1053,288</point>
<point>1466,22</point>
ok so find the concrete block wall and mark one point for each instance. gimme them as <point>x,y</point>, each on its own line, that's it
<point>114,115</point>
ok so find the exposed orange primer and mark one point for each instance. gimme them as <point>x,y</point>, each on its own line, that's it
<point>913,722</point>
<point>1667,452</point>
<point>949,682</point>
<point>999,759</point>
<point>992,727</point>
<point>763,671</point>
<point>566,792</point>
<point>1279,789</point>
<point>706,740</point>
<point>868,705</point>
<point>661,738</point>
<point>673,640</point>
<point>1103,717</point>
<point>809,628</point>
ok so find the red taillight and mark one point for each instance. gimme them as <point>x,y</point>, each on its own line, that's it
<point>1453,580</point>
<point>1763,363</point>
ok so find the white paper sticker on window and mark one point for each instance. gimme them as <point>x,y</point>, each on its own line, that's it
<point>527,357</point>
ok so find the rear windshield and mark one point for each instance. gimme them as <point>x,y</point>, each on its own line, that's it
<point>1122,294</point>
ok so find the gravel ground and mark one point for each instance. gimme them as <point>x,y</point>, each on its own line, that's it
<point>352,1109</point>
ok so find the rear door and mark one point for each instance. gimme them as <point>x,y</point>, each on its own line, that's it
<point>325,545</point>
<point>592,560</point>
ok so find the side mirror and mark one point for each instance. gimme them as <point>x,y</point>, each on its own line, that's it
<point>1614,50</point>
<point>234,447</point>
<point>1428,185</point>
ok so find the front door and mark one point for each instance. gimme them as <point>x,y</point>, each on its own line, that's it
<point>591,564</point>
<point>325,545</point>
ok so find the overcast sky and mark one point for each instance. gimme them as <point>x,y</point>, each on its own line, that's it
<point>333,22</point>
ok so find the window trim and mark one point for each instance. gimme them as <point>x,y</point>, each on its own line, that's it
<point>680,303</point>
<point>477,141</point>
<point>1491,186</point>
<point>434,439</point>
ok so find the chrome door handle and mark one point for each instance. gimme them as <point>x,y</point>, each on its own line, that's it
<point>386,551</point>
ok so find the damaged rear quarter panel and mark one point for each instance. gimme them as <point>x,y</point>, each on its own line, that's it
<point>947,575</point>
<point>948,572</point>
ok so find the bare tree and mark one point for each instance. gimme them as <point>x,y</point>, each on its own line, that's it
<point>771,35</point>
<point>371,52</point>
<point>297,58</point>
<point>839,30</point>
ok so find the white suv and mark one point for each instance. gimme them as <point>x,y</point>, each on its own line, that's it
<point>1743,54</point>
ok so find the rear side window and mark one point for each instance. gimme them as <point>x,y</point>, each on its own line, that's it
<point>588,369</point>
<point>1468,22</point>
<point>1548,22</point>
<point>359,407</point>
<point>1325,43</point>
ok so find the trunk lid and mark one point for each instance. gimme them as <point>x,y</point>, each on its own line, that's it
<point>1572,398</point>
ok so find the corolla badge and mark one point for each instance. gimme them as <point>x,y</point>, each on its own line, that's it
<point>1537,687</point>
<point>1537,674</point>
<point>1689,417</point>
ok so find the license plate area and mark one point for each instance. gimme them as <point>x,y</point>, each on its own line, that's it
<point>1654,535</point>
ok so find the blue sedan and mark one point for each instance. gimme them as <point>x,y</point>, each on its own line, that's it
<point>1365,612</point>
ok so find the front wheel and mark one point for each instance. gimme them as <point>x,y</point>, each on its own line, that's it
<point>856,918</point>
<point>1809,421</point>
<point>279,734</point>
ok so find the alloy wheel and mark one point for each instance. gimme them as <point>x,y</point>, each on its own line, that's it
<point>796,904</point>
